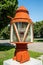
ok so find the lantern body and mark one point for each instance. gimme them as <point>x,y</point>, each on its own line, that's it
<point>21,29</point>
<point>21,34</point>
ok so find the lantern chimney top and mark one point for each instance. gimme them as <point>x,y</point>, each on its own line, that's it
<point>22,15</point>
<point>22,8</point>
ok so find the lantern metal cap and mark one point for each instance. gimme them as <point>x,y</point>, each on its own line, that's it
<point>21,15</point>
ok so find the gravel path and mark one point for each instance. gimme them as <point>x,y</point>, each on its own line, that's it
<point>36,46</point>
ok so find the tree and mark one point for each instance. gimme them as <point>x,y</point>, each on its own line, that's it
<point>41,30</point>
<point>7,8</point>
<point>5,33</point>
<point>38,29</point>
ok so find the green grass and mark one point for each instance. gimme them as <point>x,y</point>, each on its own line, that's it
<point>7,52</point>
<point>35,54</point>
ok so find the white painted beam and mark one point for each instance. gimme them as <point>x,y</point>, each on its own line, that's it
<point>11,33</point>
<point>31,31</point>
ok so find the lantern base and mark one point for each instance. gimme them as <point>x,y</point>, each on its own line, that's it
<point>21,53</point>
<point>31,62</point>
<point>22,56</point>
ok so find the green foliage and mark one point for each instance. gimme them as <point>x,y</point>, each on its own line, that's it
<point>7,8</point>
<point>5,33</point>
<point>38,29</point>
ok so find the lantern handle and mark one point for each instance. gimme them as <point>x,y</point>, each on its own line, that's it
<point>10,17</point>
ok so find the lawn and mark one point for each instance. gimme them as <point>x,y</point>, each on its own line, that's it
<point>7,52</point>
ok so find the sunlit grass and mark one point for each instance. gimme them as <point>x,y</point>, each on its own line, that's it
<point>35,54</point>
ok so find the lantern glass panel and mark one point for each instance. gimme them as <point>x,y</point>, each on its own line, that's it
<point>21,29</point>
<point>28,37</point>
<point>21,26</point>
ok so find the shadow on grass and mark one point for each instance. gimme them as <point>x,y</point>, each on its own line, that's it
<point>6,46</point>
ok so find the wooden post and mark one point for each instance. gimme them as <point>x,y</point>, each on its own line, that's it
<point>17,32</point>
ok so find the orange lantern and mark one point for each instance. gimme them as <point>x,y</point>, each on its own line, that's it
<point>21,34</point>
